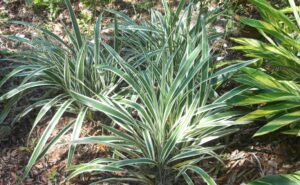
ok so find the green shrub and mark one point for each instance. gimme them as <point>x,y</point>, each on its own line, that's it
<point>276,79</point>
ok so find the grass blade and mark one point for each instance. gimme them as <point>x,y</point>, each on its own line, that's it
<point>45,136</point>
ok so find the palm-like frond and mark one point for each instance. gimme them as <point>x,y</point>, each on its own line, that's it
<point>276,81</point>
<point>280,52</point>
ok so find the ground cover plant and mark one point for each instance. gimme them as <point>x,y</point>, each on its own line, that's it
<point>276,76</point>
<point>158,92</point>
<point>176,107</point>
<point>75,73</point>
<point>58,67</point>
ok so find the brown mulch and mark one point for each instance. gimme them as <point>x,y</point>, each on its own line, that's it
<point>248,158</point>
<point>245,159</point>
<point>51,169</point>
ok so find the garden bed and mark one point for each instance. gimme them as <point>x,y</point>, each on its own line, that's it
<point>245,158</point>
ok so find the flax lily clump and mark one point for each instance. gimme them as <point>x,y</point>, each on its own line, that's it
<point>51,65</point>
<point>177,112</point>
<point>157,84</point>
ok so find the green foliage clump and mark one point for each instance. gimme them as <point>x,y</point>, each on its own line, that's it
<point>172,109</point>
<point>59,69</point>
<point>275,80</point>
<point>155,80</point>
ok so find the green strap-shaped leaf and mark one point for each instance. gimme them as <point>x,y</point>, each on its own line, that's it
<point>56,138</point>
<point>45,31</point>
<point>149,145</point>
<point>199,171</point>
<point>231,69</point>
<point>295,11</point>
<point>7,108</point>
<point>80,63</point>
<point>231,94</point>
<point>267,9</point>
<point>130,138</point>
<point>169,146</point>
<point>12,74</point>
<point>45,136</point>
<point>74,23</point>
<point>187,179</point>
<point>103,107</point>
<point>242,100</point>
<point>43,112</point>
<point>271,29</point>
<point>97,140</point>
<point>76,131</point>
<point>97,41</point>
<point>129,162</point>
<point>262,80</point>
<point>119,179</point>
<point>29,109</point>
<point>67,74</point>
<point>94,167</point>
<point>277,123</point>
<point>22,88</point>
<point>192,153</point>
<point>258,49</point>
<point>203,174</point>
<point>294,132</point>
<point>269,110</point>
